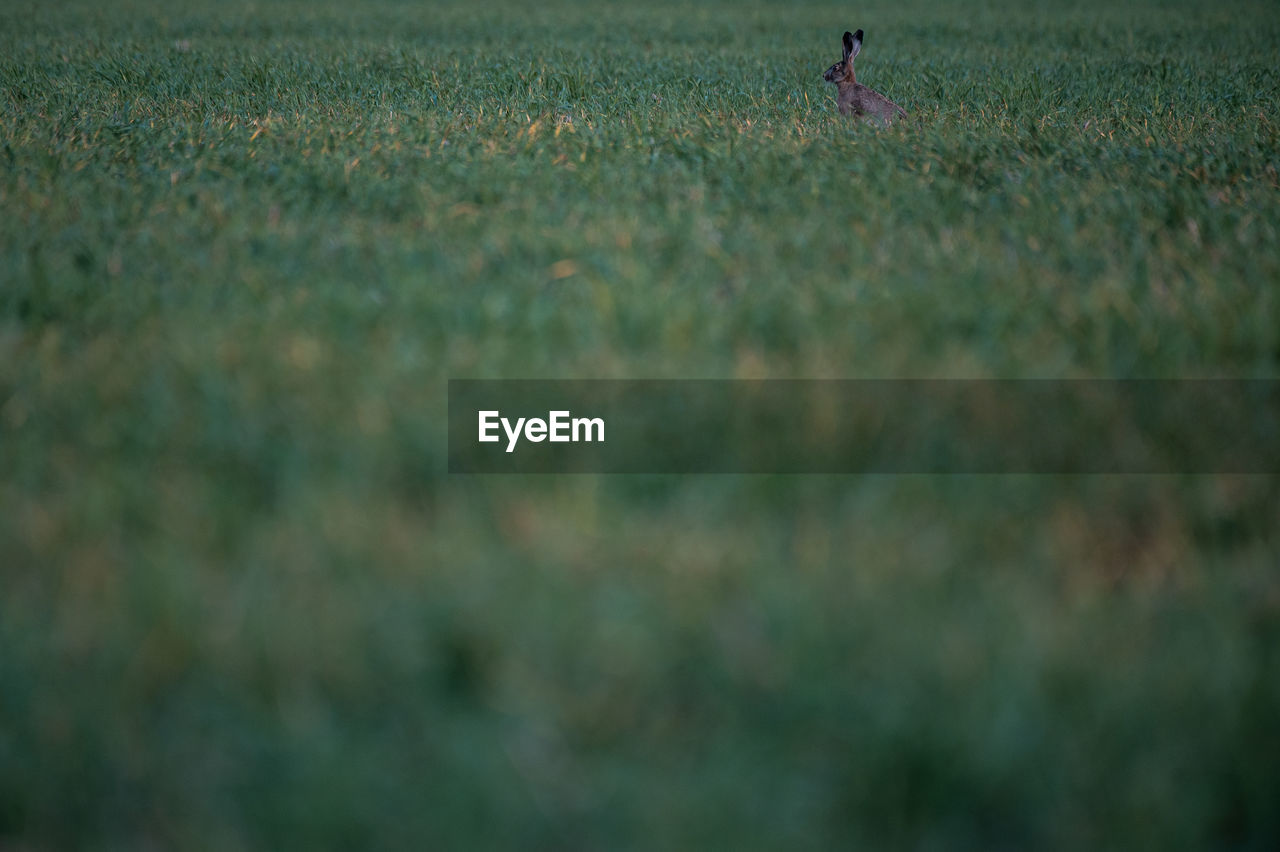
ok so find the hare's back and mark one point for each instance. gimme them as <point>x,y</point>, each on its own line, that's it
<point>873,103</point>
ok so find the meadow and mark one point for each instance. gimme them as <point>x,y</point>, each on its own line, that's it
<point>244,245</point>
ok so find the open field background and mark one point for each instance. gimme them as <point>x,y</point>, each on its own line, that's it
<point>243,246</point>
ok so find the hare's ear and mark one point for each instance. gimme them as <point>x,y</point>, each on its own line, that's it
<point>852,44</point>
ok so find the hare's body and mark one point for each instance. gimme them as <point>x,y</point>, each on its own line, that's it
<point>853,98</point>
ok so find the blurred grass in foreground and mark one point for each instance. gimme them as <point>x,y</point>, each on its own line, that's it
<point>244,245</point>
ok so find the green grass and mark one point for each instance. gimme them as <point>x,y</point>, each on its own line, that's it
<point>244,245</point>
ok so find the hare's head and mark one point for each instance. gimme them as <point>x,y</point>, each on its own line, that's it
<point>843,70</point>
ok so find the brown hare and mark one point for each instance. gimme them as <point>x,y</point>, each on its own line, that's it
<point>852,96</point>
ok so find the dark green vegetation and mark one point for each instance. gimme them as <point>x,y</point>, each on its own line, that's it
<point>244,244</point>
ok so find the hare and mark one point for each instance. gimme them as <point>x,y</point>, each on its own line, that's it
<point>852,96</point>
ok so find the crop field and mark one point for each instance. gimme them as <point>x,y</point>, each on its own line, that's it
<point>244,245</point>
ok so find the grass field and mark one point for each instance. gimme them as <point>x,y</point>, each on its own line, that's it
<point>244,245</point>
